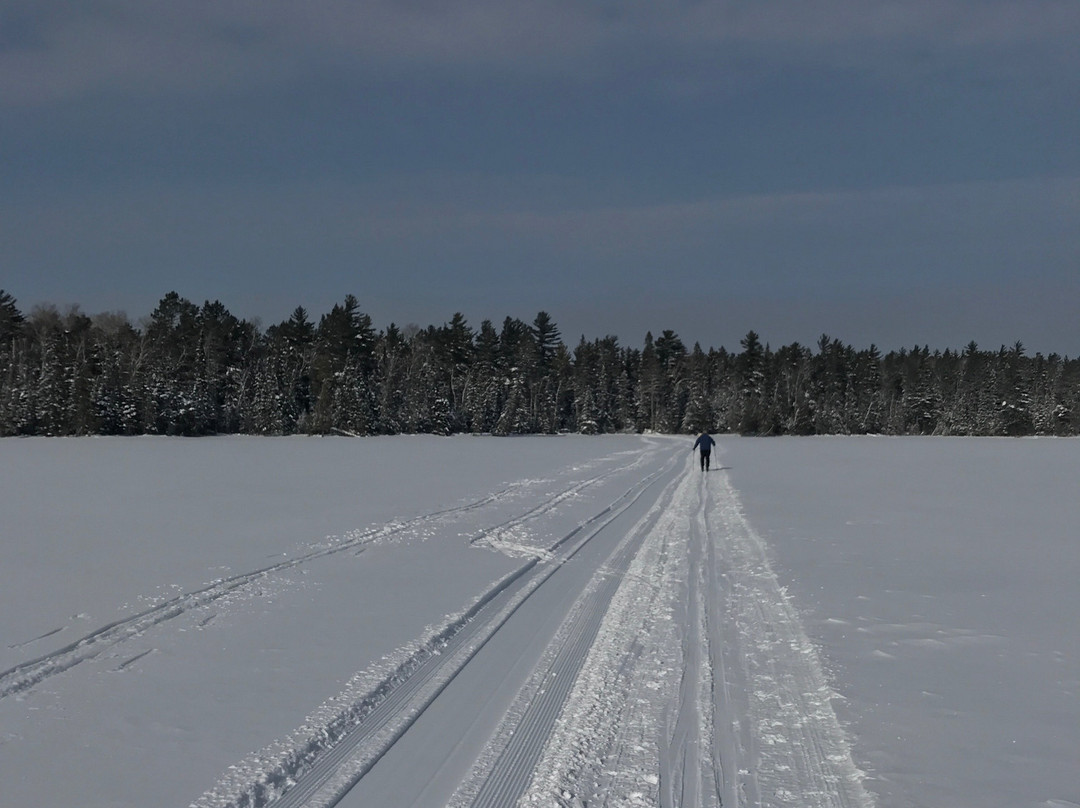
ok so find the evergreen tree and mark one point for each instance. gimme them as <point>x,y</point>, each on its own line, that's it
<point>115,405</point>
<point>698,416</point>
<point>344,359</point>
<point>750,378</point>
<point>11,322</point>
<point>650,387</point>
<point>486,394</point>
<point>1013,387</point>
<point>455,344</point>
<point>547,338</point>
<point>291,351</point>
<point>13,384</point>
<point>195,370</point>
<point>518,358</point>
<point>168,386</point>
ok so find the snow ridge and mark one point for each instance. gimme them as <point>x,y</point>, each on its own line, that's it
<point>413,681</point>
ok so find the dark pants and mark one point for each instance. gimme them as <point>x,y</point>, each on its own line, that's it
<point>705,460</point>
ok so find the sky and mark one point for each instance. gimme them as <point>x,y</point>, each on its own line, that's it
<point>896,173</point>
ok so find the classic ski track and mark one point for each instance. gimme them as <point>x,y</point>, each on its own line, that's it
<point>745,717</point>
<point>505,769</point>
<point>694,775</point>
<point>488,535</point>
<point>726,752</point>
<point>614,709</point>
<point>681,787</point>
<point>344,748</point>
<point>524,741</point>
<point>27,675</point>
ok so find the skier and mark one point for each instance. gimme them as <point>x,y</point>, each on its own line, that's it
<point>706,443</point>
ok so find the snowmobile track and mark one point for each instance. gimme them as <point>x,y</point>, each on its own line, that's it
<point>27,675</point>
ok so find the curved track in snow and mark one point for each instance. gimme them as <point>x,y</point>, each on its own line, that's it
<point>35,671</point>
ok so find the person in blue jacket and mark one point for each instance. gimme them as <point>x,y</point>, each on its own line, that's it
<point>705,442</point>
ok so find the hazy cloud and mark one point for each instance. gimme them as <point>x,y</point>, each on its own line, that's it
<point>791,158</point>
<point>57,50</point>
<point>893,239</point>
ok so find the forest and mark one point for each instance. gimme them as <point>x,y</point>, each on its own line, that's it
<point>199,370</point>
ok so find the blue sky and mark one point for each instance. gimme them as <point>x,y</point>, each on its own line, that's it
<point>895,173</point>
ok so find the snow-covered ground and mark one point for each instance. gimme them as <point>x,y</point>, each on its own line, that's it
<point>940,577</point>
<point>552,621</point>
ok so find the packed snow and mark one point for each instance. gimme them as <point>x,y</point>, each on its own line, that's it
<point>573,621</point>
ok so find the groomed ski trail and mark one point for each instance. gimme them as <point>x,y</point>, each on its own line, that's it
<point>681,677</point>
<point>320,762</point>
<point>701,688</point>
<point>504,770</point>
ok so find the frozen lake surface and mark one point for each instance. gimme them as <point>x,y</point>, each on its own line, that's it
<point>545,621</point>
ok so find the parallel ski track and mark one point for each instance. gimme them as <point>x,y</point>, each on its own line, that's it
<point>745,719</point>
<point>549,504</point>
<point>513,769</point>
<point>682,768</point>
<point>591,749</point>
<point>702,756</point>
<point>363,733</point>
<point>29,674</point>
<point>726,755</point>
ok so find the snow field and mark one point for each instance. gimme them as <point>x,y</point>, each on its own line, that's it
<point>175,702</point>
<point>937,577</point>
<point>575,622</point>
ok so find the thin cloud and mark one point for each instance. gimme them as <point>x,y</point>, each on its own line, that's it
<point>160,46</point>
<point>312,242</point>
<point>1011,227</point>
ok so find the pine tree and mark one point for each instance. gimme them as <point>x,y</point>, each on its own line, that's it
<point>169,386</point>
<point>11,322</point>
<point>12,366</point>
<point>1013,388</point>
<point>546,336</point>
<point>486,394</point>
<point>344,359</point>
<point>455,344</point>
<point>650,387</point>
<point>517,361</point>
<point>750,378</point>
<point>698,416</point>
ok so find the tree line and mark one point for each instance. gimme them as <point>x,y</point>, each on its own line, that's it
<point>200,370</point>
